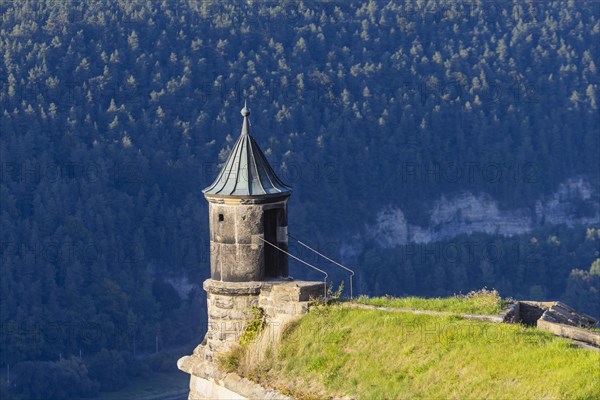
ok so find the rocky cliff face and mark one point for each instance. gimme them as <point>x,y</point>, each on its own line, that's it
<point>574,203</point>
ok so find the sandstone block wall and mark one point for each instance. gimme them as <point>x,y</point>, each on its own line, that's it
<point>232,305</point>
<point>234,255</point>
<point>237,251</point>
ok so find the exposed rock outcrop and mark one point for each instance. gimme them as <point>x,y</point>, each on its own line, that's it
<point>469,213</point>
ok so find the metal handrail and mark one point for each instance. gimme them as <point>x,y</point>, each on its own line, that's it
<point>327,258</point>
<point>298,259</point>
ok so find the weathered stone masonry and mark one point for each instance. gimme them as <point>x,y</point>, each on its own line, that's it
<point>230,307</point>
<point>237,227</point>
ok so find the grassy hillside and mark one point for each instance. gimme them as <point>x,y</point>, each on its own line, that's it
<point>368,354</point>
<point>486,302</point>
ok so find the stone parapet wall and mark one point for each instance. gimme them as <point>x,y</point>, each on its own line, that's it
<point>232,305</point>
<point>230,308</point>
<point>562,320</point>
<point>571,332</point>
<point>531,311</point>
<point>289,298</point>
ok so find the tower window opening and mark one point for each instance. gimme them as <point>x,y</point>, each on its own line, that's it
<point>221,218</point>
<point>272,256</point>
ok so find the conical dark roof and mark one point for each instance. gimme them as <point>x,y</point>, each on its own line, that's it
<point>247,171</point>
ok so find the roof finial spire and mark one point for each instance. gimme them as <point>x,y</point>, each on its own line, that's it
<point>245,112</point>
<point>246,124</point>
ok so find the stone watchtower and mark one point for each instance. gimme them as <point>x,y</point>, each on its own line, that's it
<point>247,203</point>
<point>248,258</point>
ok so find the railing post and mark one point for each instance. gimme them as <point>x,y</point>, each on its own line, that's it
<point>327,258</point>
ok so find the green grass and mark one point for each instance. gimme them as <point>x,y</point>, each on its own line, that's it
<point>157,386</point>
<point>373,354</point>
<point>486,302</point>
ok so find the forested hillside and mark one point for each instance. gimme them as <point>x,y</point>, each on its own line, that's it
<point>115,115</point>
